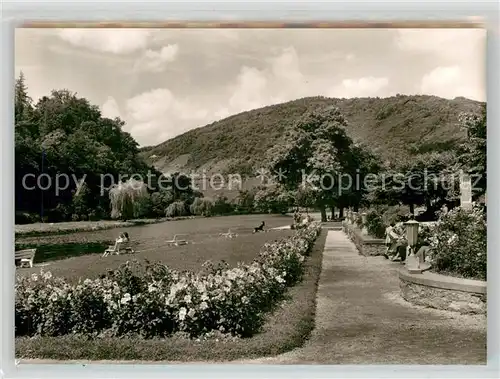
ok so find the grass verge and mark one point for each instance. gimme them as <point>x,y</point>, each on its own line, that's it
<point>43,229</point>
<point>288,327</point>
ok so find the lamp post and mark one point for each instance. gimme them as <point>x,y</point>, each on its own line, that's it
<point>412,261</point>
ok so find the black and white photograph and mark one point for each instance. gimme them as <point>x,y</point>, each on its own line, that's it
<point>250,195</point>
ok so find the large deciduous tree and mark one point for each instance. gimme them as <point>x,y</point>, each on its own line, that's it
<point>64,135</point>
<point>123,197</point>
<point>318,158</point>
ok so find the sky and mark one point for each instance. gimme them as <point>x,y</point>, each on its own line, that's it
<point>164,82</point>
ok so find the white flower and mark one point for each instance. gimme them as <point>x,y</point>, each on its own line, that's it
<point>126,298</point>
<point>34,277</point>
<point>203,305</point>
<point>151,288</point>
<point>452,239</point>
<point>182,313</point>
<point>191,313</point>
<point>187,299</point>
<point>53,297</point>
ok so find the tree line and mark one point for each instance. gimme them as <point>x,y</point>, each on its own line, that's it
<point>63,133</point>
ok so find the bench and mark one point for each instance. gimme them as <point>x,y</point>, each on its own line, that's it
<point>25,257</point>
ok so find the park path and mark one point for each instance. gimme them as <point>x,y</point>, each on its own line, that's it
<point>361,319</point>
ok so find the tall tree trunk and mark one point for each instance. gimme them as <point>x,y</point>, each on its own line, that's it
<point>333,213</point>
<point>341,212</point>
<point>412,208</point>
<point>322,209</point>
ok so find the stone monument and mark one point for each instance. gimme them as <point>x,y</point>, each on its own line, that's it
<point>465,191</point>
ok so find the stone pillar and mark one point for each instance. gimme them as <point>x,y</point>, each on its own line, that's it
<point>465,191</point>
<point>364,230</point>
<point>412,262</point>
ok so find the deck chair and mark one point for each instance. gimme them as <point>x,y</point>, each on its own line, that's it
<point>229,234</point>
<point>112,249</point>
<point>178,241</point>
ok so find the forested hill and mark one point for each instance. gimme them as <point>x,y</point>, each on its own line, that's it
<point>391,127</point>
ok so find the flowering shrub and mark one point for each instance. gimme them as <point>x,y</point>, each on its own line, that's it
<point>458,241</point>
<point>152,300</point>
<point>176,209</point>
<point>374,224</point>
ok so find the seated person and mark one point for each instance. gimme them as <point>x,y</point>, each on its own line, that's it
<point>259,228</point>
<point>123,237</point>
<point>390,239</point>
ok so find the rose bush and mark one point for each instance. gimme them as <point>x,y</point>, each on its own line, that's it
<point>375,224</point>
<point>151,300</point>
<point>458,242</point>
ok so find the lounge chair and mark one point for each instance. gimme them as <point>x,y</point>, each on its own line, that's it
<point>229,234</point>
<point>118,247</point>
<point>178,241</point>
<point>112,249</point>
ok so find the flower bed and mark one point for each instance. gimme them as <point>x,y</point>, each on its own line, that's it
<point>154,301</point>
<point>458,241</point>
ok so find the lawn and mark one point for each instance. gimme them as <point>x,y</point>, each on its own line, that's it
<point>286,328</point>
<point>83,250</point>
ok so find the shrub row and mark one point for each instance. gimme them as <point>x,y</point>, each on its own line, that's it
<point>459,243</point>
<point>152,300</point>
<point>457,240</point>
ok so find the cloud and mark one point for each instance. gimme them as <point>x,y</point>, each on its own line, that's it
<point>281,80</point>
<point>156,115</point>
<point>458,59</point>
<point>249,91</point>
<point>110,108</point>
<point>363,87</point>
<point>222,113</point>
<point>155,61</point>
<point>115,41</point>
<point>449,44</point>
<point>450,82</point>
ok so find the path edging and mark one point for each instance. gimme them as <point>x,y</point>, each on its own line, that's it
<point>437,291</point>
